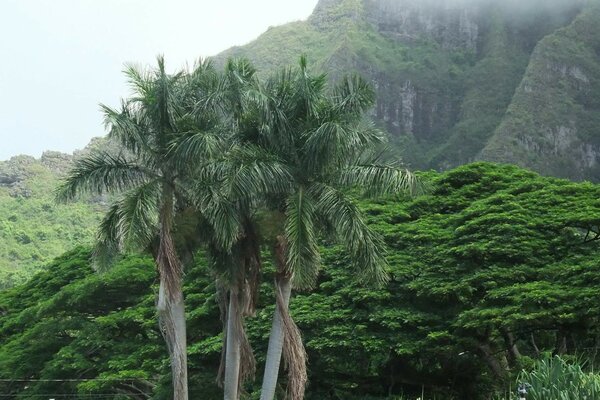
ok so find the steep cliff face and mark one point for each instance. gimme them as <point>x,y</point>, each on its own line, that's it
<point>452,25</point>
<point>446,71</point>
<point>553,122</point>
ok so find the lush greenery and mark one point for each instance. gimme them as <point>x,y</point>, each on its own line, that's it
<point>33,229</point>
<point>490,269</point>
<point>556,378</point>
<point>528,94</point>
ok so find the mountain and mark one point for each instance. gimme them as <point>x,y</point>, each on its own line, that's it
<point>463,80</point>
<point>456,81</point>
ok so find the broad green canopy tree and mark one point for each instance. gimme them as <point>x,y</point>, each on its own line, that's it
<point>151,123</point>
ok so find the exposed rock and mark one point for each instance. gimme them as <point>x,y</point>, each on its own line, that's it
<point>554,110</point>
<point>453,25</point>
<point>56,161</point>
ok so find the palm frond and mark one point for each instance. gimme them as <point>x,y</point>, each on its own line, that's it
<point>378,179</point>
<point>139,79</point>
<point>123,126</point>
<point>366,247</point>
<point>139,210</point>
<point>255,172</point>
<point>248,172</point>
<point>108,239</point>
<point>353,95</point>
<point>194,148</point>
<point>336,144</point>
<point>101,173</point>
<point>221,213</point>
<point>310,90</point>
<point>129,224</point>
<point>303,258</point>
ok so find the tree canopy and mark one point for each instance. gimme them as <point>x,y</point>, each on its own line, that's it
<point>491,266</point>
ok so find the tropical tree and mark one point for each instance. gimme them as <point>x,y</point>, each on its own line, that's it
<point>322,143</point>
<point>228,190</point>
<point>148,176</point>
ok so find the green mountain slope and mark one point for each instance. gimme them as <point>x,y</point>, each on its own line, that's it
<point>456,81</point>
<point>553,122</point>
<point>33,228</point>
<point>446,73</point>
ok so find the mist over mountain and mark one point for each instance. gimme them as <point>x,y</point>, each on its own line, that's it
<point>463,80</point>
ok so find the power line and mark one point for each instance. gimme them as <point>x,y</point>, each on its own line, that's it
<point>74,396</point>
<point>69,380</point>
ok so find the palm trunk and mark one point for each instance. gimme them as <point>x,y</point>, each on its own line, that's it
<point>171,311</point>
<point>232,351</point>
<point>284,289</point>
<point>172,319</point>
<point>285,336</point>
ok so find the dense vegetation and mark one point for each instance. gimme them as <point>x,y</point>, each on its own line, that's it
<point>33,229</point>
<point>240,180</point>
<point>491,268</point>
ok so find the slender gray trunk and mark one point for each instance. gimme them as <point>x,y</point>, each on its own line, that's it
<point>171,313</point>
<point>232,352</point>
<point>275,344</point>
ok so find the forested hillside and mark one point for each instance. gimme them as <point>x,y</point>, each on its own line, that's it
<point>510,81</point>
<point>492,266</point>
<point>33,228</point>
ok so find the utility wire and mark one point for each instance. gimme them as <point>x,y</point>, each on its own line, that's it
<point>71,380</point>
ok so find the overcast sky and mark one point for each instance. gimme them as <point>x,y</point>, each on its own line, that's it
<point>60,58</point>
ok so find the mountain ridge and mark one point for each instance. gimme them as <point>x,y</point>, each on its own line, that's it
<point>446,72</point>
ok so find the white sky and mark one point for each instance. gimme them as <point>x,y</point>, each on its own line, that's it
<point>60,58</point>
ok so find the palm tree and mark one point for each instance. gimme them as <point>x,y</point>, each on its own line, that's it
<point>227,190</point>
<point>322,143</point>
<point>148,176</point>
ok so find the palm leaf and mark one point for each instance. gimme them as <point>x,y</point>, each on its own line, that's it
<point>353,95</point>
<point>123,126</point>
<point>108,239</point>
<point>129,224</point>
<point>101,173</point>
<point>334,144</point>
<point>303,258</point>
<point>191,149</point>
<point>364,245</point>
<point>378,180</point>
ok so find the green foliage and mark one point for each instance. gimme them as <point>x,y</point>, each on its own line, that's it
<point>554,378</point>
<point>71,323</point>
<point>33,229</point>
